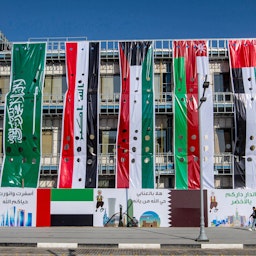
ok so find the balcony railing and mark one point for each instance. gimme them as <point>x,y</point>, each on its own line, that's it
<point>109,104</point>
<point>164,165</point>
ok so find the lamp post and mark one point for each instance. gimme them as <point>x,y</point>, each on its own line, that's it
<point>202,236</point>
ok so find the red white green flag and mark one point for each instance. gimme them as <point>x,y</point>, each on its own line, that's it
<point>78,163</point>
<point>23,117</point>
<point>135,134</point>
<point>243,71</point>
<point>190,60</point>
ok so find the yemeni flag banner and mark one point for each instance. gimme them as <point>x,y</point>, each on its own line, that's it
<point>23,117</point>
<point>135,133</point>
<point>191,70</point>
<point>243,69</point>
<point>78,163</point>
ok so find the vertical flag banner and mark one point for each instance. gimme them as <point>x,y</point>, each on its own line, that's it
<point>191,69</point>
<point>78,163</point>
<point>135,133</point>
<point>23,117</point>
<point>243,69</point>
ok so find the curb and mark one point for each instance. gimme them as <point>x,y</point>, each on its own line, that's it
<point>128,245</point>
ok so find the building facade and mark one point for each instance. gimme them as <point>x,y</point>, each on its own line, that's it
<point>55,86</point>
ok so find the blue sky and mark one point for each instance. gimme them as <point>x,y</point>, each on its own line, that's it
<point>132,19</point>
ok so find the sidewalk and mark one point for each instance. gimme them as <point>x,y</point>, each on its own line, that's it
<point>88,237</point>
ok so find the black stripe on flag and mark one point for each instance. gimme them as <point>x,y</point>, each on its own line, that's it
<point>92,116</point>
<point>239,135</point>
<point>71,220</point>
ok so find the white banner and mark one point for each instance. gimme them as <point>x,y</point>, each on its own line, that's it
<point>18,207</point>
<point>230,207</point>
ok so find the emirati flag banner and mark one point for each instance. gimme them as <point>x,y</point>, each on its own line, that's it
<point>243,71</point>
<point>78,162</point>
<point>135,133</point>
<point>191,70</point>
<point>23,116</point>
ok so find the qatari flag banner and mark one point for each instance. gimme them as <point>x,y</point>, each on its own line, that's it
<point>135,133</point>
<point>243,69</point>
<point>191,70</point>
<point>79,156</point>
<point>23,117</point>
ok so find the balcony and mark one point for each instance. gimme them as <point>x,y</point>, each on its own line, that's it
<point>109,104</point>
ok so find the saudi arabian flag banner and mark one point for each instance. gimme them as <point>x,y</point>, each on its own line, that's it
<point>243,72</point>
<point>79,158</point>
<point>23,116</point>
<point>135,133</point>
<point>191,69</point>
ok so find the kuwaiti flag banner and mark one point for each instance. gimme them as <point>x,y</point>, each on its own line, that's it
<point>23,116</point>
<point>191,70</point>
<point>78,163</point>
<point>243,69</point>
<point>135,133</point>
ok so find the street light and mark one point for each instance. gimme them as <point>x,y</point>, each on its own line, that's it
<point>202,236</point>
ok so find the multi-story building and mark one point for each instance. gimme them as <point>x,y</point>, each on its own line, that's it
<point>55,86</point>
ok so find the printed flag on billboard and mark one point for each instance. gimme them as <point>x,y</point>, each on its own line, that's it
<point>191,70</point>
<point>243,69</point>
<point>135,133</point>
<point>78,163</point>
<point>23,116</point>
<point>65,207</point>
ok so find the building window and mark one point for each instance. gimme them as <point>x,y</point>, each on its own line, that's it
<point>47,142</point>
<point>163,81</point>
<point>108,142</point>
<point>223,142</point>
<point>110,88</point>
<point>222,82</point>
<point>4,86</point>
<point>160,141</point>
<point>55,87</point>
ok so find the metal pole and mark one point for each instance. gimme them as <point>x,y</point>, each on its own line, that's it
<point>202,236</point>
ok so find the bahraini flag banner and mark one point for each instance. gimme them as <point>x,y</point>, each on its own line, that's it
<point>135,132</point>
<point>79,157</point>
<point>243,69</point>
<point>23,116</point>
<point>191,70</point>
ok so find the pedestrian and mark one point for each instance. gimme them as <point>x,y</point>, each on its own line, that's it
<point>253,216</point>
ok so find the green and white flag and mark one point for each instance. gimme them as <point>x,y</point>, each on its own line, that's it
<point>23,116</point>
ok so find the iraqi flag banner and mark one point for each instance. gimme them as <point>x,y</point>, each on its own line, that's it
<point>135,132</point>
<point>243,69</point>
<point>78,162</point>
<point>191,71</point>
<point>23,116</point>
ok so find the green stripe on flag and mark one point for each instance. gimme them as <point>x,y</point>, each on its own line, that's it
<point>148,127</point>
<point>72,194</point>
<point>23,117</point>
<point>180,125</point>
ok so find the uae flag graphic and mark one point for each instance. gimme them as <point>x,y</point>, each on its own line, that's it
<point>191,69</point>
<point>78,163</point>
<point>23,117</point>
<point>135,133</point>
<point>65,207</point>
<point>243,69</point>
